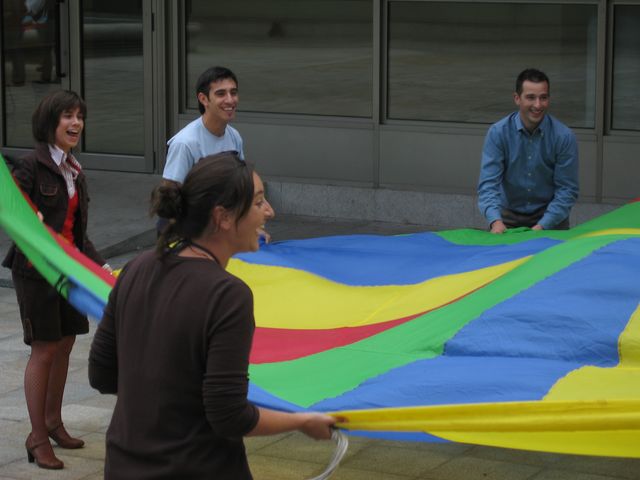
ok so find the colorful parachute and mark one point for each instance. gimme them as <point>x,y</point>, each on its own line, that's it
<point>524,340</point>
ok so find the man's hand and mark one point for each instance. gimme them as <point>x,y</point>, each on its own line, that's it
<point>498,227</point>
<point>537,226</point>
<point>264,236</point>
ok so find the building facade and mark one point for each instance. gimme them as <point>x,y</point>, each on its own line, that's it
<point>372,109</point>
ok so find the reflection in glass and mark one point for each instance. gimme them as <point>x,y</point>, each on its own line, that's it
<point>626,68</point>
<point>290,56</point>
<point>458,61</point>
<point>30,53</point>
<point>113,76</point>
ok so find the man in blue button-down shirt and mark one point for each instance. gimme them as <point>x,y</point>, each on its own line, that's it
<point>529,171</point>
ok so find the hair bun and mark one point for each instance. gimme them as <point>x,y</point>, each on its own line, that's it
<point>167,201</point>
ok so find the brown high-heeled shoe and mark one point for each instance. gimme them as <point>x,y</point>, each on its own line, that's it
<point>42,454</point>
<point>60,435</point>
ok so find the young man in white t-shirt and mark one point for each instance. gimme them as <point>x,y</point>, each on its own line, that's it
<point>217,93</point>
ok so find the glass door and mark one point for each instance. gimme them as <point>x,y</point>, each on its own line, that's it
<point>99,48</point>
<point>35,62</point>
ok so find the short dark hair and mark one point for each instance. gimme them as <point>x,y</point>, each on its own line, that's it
<point>210,75</point>
<point>531,75</point>
<point>216,180</point>
<point>46,116</point>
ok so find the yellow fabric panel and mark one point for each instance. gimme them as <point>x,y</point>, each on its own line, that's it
<point>619,382</point>
<point>616,443</point>
<point>319,303</point>
<point>582,427</point>
<point>597,383</point>
<point>629,343</point>
<point>612,231</point>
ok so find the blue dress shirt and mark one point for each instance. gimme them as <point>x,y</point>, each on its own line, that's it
<point>525,172</point>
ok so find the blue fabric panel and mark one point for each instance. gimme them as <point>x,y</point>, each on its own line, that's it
<point>576,315</point>
<point>388,260</point>
<point>454,380</point>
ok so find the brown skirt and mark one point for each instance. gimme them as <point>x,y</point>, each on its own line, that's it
<point>46,316</point>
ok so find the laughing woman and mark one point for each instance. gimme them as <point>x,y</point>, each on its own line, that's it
<point>175,338</point>
<point>53,180</point>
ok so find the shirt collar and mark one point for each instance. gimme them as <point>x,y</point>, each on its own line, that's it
<point>57,154</point>
<point>542,128</point>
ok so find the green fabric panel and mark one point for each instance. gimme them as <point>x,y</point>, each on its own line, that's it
<point>308,380</point>
<point>627,216</point>
<point>25,229</point>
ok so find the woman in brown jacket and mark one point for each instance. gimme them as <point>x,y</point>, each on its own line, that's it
<point>53,180</point>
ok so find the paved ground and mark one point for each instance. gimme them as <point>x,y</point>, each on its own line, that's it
<point>119,226</point>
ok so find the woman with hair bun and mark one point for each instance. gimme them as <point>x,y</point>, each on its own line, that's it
<point>175,338</point>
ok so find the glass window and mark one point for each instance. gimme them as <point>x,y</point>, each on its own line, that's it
<point>113,76</point>
<point>31,64</point>
<point>457,62</point>
<point>290,56</point>
<point>626,68</point>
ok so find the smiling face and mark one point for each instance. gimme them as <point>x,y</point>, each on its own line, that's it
<point>69,129</point>
<point>533,103</point>
<point>221,102</point>
<point>250,226</point>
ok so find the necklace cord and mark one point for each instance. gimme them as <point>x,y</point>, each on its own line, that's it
<point>193,244</point>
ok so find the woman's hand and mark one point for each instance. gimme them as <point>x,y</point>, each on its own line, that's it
<point>317,426</point>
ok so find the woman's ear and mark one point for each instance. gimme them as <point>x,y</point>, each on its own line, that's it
<point>221,218</point>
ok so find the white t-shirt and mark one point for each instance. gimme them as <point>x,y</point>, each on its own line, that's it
<point>194,142</point>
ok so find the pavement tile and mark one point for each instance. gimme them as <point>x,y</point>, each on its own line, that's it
<point>346,473</point>
<point>106,402</point>
<point>94,446</point>
<point>297,446</point>
<point>95,476</point>
<point>14,344</point>
<point>625,468</point>
<point>519,456</point>
<point>11,374</point>
<point>85,418</point>
<point>395,460</point>
<point>446,448</point>
<point>12,405</point>
<point>256,444</point>
<point>75,468</point>
<point>11,449</point>
<point>568,475</point>
<point>470,468</point>
<point>271,468</point>
<point>7,295</point>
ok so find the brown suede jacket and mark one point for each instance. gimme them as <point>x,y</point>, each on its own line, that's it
<point>40,179</point>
